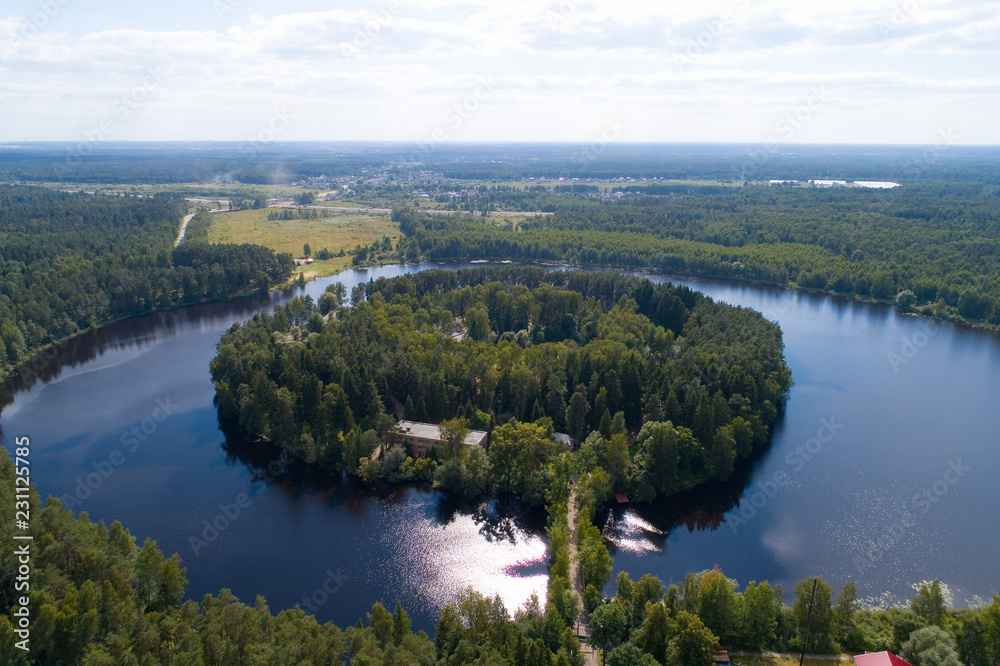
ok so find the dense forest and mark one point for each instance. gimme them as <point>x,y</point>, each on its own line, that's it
<point>99,598</point>
<point>930,247</point>
<point>69,262</point>
<point>691,385</point>
<point>283,162</point>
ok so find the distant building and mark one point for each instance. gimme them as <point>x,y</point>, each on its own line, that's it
<point>830,183</point>
<point>876,184</point>
<point>787,183</point>
<point>423,436</point>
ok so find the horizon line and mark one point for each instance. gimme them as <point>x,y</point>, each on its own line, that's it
<point>120,142</point>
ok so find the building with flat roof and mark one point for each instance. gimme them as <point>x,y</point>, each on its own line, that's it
<point>423,436</point>
<point>876,184</point>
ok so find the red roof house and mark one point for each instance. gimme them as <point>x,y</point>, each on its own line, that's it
<point>879,659</point>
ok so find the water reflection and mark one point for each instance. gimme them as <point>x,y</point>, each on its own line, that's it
<point>437,544</point>
<point>442,558</point>
<point>644,529</point>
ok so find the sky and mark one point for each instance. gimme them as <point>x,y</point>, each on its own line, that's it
<point>750,71</point>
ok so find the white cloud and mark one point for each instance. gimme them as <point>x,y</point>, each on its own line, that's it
<point>393,71</point>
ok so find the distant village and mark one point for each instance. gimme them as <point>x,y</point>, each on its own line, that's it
<point>430,184</point>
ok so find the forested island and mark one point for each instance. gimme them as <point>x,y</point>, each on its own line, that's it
<point>70,262</point>
<point>666,387</point>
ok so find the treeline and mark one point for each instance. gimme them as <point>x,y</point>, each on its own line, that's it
<point>690,384</point>
<point>931,247</point>
<point>69,262</point>
<point>661,189</point>
<point>258,163</point>
<point>719,162</point>
<point>645,624</point>
<point>298,214</point>
<point>282,163</point>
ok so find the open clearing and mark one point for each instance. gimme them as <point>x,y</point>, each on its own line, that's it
<point>339,231</point>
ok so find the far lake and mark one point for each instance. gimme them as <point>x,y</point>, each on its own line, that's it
<point>885,458</point>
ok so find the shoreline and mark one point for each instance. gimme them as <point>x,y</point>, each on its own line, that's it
<point>646,272</point>
<point>291,284</point>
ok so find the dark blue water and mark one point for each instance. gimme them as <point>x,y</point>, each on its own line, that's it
<point>123,426</point>
<point>882,470</point>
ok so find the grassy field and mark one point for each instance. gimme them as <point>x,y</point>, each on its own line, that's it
<point>339,231</point>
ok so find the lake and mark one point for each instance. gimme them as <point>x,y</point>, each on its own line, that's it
<point>880,472</point>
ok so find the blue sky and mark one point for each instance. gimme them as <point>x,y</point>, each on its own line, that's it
<point>757,71</point>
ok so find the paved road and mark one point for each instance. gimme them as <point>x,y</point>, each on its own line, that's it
<point>184,228</point>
